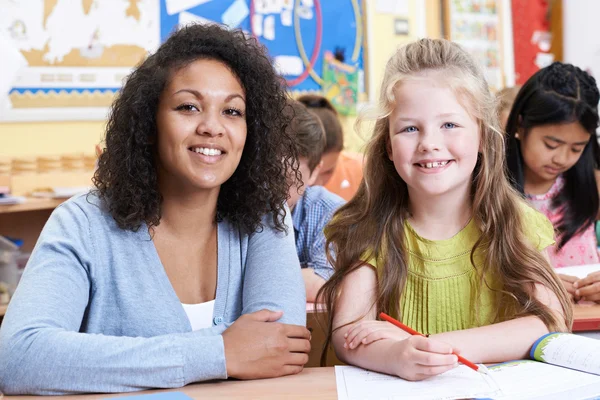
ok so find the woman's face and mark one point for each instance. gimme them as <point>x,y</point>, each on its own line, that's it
<point>201,124</point>
<point>550,150</point>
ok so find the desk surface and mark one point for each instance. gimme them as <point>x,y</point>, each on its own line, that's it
<point>586,317</point>
<point>312,383</point>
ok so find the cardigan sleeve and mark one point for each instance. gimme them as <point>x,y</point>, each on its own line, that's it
<point>273,279</point>
<point>41,346</point>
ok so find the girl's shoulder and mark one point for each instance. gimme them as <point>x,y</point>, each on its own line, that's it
<point>536,226</point>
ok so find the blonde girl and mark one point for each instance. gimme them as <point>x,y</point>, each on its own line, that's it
<point>436,236</point>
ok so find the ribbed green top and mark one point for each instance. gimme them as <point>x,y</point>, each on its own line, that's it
<point>441,286</point>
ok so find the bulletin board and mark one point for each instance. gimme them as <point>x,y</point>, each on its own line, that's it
<point>77,52</point>
<point>297,33</point>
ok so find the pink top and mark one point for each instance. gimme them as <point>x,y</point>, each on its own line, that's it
<point>581,249</point>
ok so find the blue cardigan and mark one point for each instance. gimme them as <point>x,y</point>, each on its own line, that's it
<point>95,311</point>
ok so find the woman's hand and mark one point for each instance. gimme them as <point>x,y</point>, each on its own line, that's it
<point>588,288</point>
<point>258,347</point>
<point>568,282</point>
<point>365,332</point>
<point>417,358</point>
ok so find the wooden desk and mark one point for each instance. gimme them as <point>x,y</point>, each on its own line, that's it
<point>586,317</point>
<point>312,383</point>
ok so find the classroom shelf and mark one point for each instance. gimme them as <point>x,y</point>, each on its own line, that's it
<point>31,204</point>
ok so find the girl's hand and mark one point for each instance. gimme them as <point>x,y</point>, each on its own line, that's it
<point>568,282</point>
<point>588,288</point>
<point>417,358</point>
<point>365,332</point>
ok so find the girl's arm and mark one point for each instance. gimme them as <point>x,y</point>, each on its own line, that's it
<point>411,358</point>
<point>504,341</point>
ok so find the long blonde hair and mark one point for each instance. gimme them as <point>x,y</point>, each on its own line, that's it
<point>374,219</point>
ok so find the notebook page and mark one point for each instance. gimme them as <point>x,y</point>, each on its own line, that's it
<point>536,380</point>
<point>462,382</point>
<point>568,350</point>
<point>579,271</point>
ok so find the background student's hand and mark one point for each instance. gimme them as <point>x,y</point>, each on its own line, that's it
<point>417,358</point>
<point>365,332</point>
<point>568,282</point>
<point>588,288</point>
<point>258,347</point>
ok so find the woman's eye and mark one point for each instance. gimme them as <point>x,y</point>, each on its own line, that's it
<point>449,125</point>
<point>187,108</point>
<point>234,112</point>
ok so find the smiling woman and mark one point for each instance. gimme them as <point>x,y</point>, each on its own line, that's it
<point>164,274</point>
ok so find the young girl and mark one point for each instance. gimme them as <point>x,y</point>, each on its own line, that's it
<point>552,157</point>
<point>436,236</point>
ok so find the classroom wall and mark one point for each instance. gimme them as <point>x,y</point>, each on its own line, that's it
<point>382,42</point>
<point>44,138</point>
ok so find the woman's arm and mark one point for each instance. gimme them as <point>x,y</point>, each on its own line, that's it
<point>504,341</point>
<point>273,279</point>
<point>408,357</point>
<point>41,346</point>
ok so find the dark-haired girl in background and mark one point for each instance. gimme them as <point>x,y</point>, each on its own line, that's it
<point>178,267</point>
<point>553,158</point>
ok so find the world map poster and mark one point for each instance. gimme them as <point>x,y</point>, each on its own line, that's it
<point>77,53</point>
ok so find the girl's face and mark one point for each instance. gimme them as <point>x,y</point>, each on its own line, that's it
<point>434,141</point>
<point>201,123</point>
<point>550,150</point>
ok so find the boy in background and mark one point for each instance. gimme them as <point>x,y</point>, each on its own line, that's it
<point>312,206</point>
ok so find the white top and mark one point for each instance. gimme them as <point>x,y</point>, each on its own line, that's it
<point>200,315</point>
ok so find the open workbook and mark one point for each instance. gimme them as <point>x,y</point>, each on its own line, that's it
<point>563,366</point>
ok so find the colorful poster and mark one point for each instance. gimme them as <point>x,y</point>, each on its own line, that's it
<point>340,84</point>
<point>77,52</point>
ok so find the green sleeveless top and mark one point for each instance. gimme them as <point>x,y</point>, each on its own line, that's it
<point>441,286</point>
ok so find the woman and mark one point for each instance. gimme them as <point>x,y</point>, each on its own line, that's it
<point>164,274</point>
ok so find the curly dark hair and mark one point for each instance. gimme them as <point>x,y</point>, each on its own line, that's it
<point>126,177</point>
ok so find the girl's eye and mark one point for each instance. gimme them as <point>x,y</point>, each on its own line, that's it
<point>187,108</point>
<point>550,147</point>
<point>577,151</point>
<point>410,129</point>
<point>234,112</point>
<point>449,125</point>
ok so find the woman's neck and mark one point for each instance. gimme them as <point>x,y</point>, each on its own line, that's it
<point>440,217</point>
<point>187,213</point>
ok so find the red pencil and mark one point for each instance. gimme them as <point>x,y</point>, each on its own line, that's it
<point>410,330</point>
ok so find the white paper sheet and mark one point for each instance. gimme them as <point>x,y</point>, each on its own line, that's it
<point>286,18</point>
<point>462,382</point>
<point>580,271</point>
<point>269,28</point>
<point>235,14</point>
<point>536,380</point>
<point>175,6</point>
